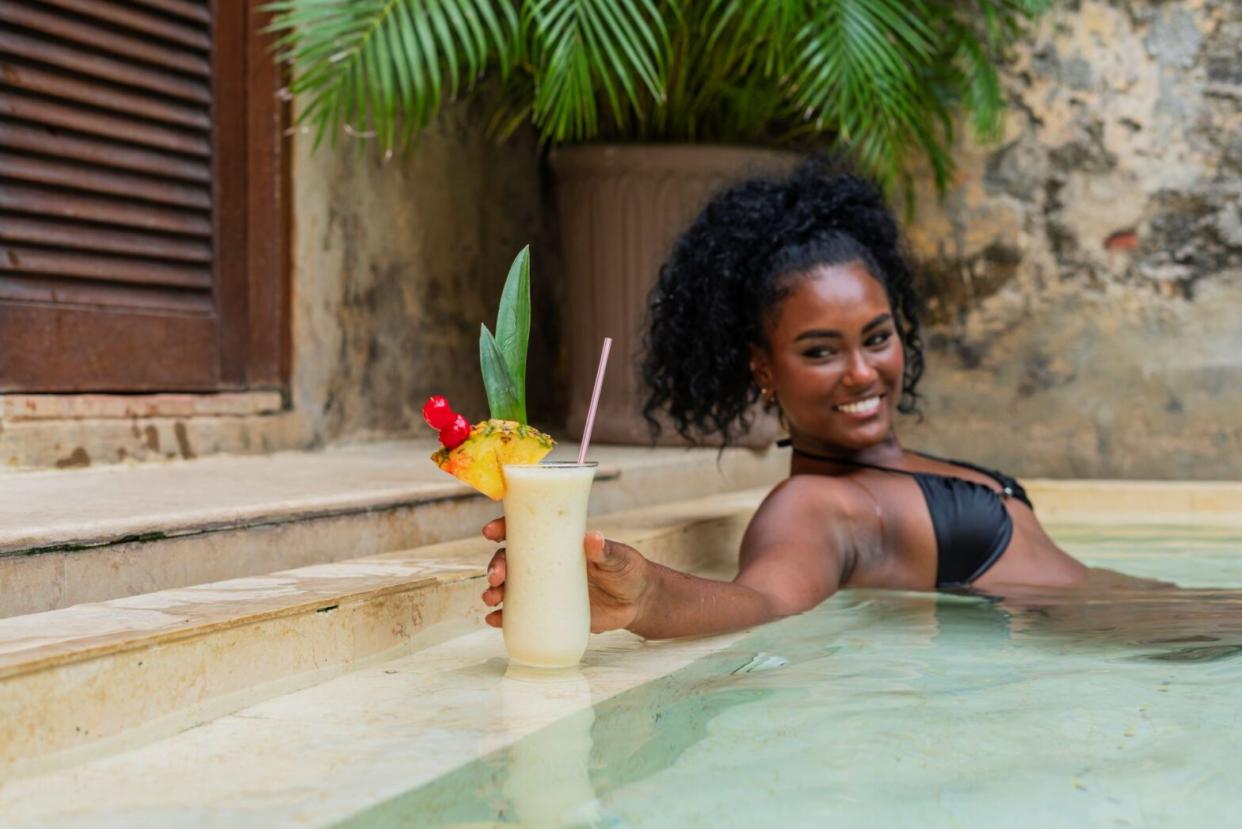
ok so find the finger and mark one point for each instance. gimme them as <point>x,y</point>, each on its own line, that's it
<point>497,568</point>
<point>493,596</point>
<point>594,544</point>
<point>494,530</point>
<point>495,618</point>
<point>605,554</point>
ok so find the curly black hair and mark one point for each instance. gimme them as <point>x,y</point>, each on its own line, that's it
<point>729,270</point>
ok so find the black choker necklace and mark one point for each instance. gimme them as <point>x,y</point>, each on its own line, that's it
<point>783,442</point>
<point>787,442</point>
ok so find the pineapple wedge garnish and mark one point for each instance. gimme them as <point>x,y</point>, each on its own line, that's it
<point>492,443</point>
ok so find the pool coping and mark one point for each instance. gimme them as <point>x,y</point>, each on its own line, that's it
<point>173,658</point>
<point>1104,501</point>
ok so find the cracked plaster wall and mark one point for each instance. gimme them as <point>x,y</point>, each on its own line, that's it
<point>1088,268</point>
<point>398,261</point>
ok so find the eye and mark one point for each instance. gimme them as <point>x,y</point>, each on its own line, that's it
<point>879,338</point>
<point>818,352</point>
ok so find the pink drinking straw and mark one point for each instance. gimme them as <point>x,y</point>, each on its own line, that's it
<point>599,385</point>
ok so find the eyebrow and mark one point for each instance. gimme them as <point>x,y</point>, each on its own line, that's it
<point>817,333</point>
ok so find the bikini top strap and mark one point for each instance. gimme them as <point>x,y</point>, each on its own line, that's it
<point>1000,478</point>
<point>1010,487</point>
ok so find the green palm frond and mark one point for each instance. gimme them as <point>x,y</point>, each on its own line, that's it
<point>580,46</point>
<point>980,87</point>
<point>973,41</point>
<point>724,61</point>
<point>764,27</point>
<point>857,76</point>
<point>509,104</point>
<point>383,66</point>
<point>883,80</point>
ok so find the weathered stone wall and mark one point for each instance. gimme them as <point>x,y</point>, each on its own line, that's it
<point>1088,268</point>
<point>398,261</point>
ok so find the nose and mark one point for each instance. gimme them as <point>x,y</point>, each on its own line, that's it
<point>860,373</point>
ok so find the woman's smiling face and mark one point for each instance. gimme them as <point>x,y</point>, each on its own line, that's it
<point>834,359</point>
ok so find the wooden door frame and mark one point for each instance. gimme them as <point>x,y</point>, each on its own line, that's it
<point>251,245</point>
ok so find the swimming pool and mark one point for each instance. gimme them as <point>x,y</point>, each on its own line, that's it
<point>878,708</point>
<point>905,709</point>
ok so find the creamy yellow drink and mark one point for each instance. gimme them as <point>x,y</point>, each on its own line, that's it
<point>547,613</point>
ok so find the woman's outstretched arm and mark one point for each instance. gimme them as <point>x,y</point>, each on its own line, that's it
<point>792,558</point>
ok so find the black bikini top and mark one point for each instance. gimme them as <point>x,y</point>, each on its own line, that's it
<point>972,526</point>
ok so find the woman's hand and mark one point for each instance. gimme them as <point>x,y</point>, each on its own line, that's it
<point>617,579</point>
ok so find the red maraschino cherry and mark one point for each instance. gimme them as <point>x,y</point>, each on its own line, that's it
<point>455,433</point>
<point>438,413</point>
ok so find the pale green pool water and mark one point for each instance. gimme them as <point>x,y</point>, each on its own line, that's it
<point>1119,708</point>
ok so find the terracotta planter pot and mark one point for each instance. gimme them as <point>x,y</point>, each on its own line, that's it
<point>621,207</point>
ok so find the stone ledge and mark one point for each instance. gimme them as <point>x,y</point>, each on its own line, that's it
<point>324,755</point>
<point>72,680</point>
<point>117,504</point>
<point>1141,502</point>
<point>22,407</point>
<point>80,442</point>
<point>138,530</point>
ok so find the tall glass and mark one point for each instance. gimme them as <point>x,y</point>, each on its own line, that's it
<point>547,612</point>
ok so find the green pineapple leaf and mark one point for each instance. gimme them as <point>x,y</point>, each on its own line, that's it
<point>502,397</point>
<point>513,325</point>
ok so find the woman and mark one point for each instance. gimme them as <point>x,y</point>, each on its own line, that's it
<point>796,292</point>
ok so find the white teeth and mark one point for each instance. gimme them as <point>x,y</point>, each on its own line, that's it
<point>862,406</point>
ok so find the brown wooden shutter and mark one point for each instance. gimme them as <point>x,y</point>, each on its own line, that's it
<point>137,142</point>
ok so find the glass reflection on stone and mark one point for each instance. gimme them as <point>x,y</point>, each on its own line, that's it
<point>548,781</point>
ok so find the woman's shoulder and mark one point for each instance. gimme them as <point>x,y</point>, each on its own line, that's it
<point>838,496</point>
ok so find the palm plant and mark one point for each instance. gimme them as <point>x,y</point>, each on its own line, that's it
<point>880,80</point>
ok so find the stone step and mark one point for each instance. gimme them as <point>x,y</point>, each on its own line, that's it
<point>97,678</point>
<point>74,536</point>
<point>350,751</point>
